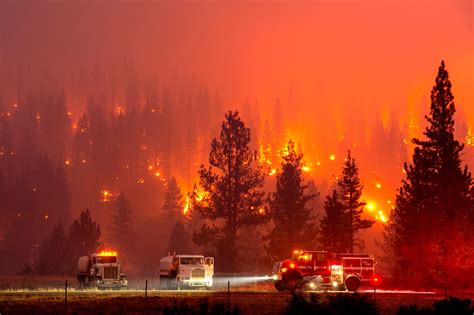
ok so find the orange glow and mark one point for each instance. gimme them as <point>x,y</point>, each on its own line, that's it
<point>106,196</point>
<point>370,206</point>
<point>107,254</point>
<point>119,110</point>
<point>186,206</point>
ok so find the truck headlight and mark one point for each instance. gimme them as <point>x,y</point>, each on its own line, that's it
<point>275,277</point>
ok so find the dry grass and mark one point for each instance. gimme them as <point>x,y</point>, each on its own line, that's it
<point>40,295</point>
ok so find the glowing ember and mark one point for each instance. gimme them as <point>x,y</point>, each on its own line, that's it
<point>119,110</point>
<point>272,172</point>
<point>370,206</point>
<point>68,162</point>
<point>378,185</point>
<point>381,216</point>
<point>306,168</point>
<point>332,157</point>
<point>106,196</point>
<point>140,181</point>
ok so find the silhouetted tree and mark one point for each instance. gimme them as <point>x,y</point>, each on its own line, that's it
<point>229,195</point>
<point>432,224</point>
<point>173,204</point>
<point>83,238</point>
<point>178,242</point>
<point>51,256</point>
<point>121,229</point>
<point>350,189</point>
<point>293,225</point>
<point>333,228</point>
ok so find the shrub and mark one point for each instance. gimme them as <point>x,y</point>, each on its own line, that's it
<point>202,308</point>
<point>337,304</point>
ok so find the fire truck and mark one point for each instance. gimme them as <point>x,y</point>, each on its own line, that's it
<point>101,270</point>
<point>322,270</point>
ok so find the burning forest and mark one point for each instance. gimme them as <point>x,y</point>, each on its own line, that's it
<point>220,134</point>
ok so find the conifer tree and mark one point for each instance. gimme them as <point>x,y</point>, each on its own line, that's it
<point>433,219</point>
<point>333,227</point>
<point>294,226</point>
<point>173,204</point>
<point>51,256</point>
<point>229,194</point>
<point>83,238</point>
<point>178,242</point>
<point>121,231</point>
<point>350,189</point>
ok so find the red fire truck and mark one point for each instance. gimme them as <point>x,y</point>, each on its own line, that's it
<point>322,270</point>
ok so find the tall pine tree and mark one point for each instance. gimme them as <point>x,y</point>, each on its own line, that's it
<point>433,219</point>
<point>229,195</point>
<point>333,227</point>
<point>293,224</point>
<point>51,256</point>
<point>83,239</point>
<point>350,189</point>
<point>121,231</point>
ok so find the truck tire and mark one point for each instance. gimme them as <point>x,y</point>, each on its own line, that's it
<point>81,279</point>
<point>291,281</point>
<point>352,283</point>
<point>279,286</point>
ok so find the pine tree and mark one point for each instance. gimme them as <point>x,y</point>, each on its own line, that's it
<point>333,231</point>
<point>294,226</point>
<point>229,191</point>
<point>350,189</point>
<point>121,231</point>
<point>173,204</point>
<point>433,219</point>
<point>178,242</point>
<point>83,238</point>
<point>51,257</point>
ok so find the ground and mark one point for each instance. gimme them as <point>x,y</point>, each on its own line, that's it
<point>40,295</point>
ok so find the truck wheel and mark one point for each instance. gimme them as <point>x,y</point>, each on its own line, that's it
<point>291,284</point>
<point>279,286</point>
<point>352,283</point>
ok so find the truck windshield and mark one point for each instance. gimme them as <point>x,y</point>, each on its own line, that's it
<point>191,261</point>
<point>106,260</point>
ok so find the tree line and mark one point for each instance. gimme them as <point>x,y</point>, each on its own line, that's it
<point>228,208</point>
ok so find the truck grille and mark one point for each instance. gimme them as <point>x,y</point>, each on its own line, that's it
<point>110,272</point>
<point>197,274</point>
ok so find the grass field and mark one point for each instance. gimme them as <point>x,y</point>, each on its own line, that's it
<point>42,295</point>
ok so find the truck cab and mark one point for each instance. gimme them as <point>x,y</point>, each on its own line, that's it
<point>190,271</point>
<point>101,270</point>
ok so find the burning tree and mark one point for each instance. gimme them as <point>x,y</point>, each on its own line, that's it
<point>350,189</point>
<point>433,219</point>
<point>294,226</point>
<point>233,198</point>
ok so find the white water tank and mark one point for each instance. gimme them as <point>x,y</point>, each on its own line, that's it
<point>83,265</point>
